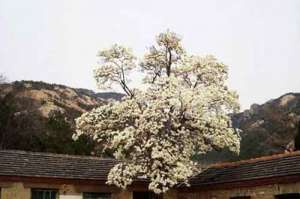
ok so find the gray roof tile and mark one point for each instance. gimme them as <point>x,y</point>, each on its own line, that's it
<point>261,168</point>
<point>33,164</point>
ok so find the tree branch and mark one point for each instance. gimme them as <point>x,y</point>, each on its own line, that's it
<point>169,60</point>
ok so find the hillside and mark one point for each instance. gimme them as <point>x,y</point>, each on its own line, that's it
<point>38,116</point>
<point>269,128</point>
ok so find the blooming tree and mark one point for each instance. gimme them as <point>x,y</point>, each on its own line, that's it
<point>182,111</point>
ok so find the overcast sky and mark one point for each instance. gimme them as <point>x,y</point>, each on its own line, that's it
<point>57,40</point>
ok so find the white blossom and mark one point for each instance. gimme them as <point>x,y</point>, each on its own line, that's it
<point>156,131</point>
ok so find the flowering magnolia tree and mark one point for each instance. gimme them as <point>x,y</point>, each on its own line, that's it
<point>181,111</point>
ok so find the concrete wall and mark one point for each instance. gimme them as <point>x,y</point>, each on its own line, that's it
<point>259,192</point>
<point>122,195</point>
<point>171,194</point>
<point>19,190</point>
<point>70,196</point>
<point>15,191</point>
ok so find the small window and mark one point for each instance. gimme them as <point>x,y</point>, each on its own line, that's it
<point>96,195</point>
<point>288,196</point>
<point>241,197</point>
<point>43,194</point>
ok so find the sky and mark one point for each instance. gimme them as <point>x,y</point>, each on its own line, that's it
<point>57,41</point>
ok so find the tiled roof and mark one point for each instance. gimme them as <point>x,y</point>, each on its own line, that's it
<point>32,164</point>
<point>281,165</point>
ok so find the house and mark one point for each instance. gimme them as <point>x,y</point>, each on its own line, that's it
<point>31,175</point>
<point>270,177</point>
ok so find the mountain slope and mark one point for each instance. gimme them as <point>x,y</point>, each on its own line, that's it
<point>38,116</point>
<point>269,128</point>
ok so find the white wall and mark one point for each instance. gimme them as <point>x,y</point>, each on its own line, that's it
<point>70,196</point>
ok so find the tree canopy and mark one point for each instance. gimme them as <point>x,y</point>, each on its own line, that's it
<point>181,110</point>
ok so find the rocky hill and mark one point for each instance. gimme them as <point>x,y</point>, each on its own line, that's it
<point>38,116</point>
<point>269,128</point>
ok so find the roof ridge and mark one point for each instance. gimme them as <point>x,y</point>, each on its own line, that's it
<point>57,155</point>
<point>253,160</point>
